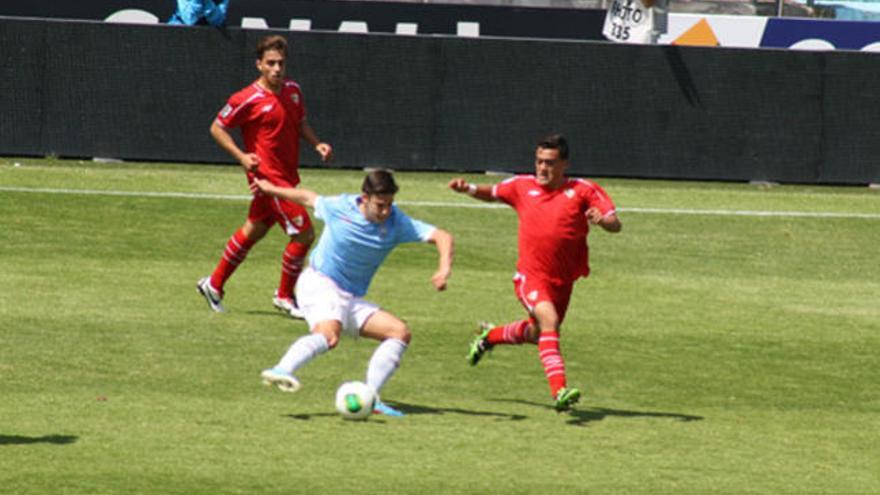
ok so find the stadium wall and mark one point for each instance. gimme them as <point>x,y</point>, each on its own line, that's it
<point>137,92</point>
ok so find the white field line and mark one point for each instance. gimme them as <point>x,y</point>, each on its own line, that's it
<point>442,204</point>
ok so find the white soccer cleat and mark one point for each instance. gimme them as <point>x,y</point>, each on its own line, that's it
<point>212,295</point>
<point>281,379</point>
<point>288,305</point>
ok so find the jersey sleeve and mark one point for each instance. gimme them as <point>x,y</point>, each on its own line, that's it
<point>506,191</point>
<point>598,198</point>
<point>235,112</point>
<point>409,229</point>
<point>322,208</point>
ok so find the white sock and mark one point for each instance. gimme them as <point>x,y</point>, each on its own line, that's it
<point>302,351</point>
<point>384,362</point>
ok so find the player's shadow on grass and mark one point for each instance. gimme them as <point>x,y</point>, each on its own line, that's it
<point>414,409</point>
<point>417,409</point>
<point>583,416</point>
<point>272,313</point>
<point>25,440</point>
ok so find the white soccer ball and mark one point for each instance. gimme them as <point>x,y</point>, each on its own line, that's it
<point>355,400</point>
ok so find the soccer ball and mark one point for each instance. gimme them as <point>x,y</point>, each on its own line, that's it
<point>355,400</point>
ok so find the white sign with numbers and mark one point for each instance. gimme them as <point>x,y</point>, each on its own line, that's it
<point>629,21</point>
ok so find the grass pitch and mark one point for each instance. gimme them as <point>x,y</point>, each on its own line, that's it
<point>718,352</point>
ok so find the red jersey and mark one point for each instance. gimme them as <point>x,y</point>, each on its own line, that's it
<point>553,225</point>
<point>270,127</point>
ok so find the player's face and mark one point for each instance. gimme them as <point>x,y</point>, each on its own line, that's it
<point>377,207</point>
<point>271,68</point>
<point>549,167</point>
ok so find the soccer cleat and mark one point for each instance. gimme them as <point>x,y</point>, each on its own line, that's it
<point>212,295</point>
<point>566,397</point>
<point>288,305</point>
<point>281,379</point>
<point>479,346</point>
<point>382,408</point>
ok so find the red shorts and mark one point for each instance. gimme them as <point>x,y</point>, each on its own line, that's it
<point>531,290</point>
<point>292,217</point>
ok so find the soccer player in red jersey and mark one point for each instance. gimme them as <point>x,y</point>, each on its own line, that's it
<point>555,213</point>
<point>271,114</point>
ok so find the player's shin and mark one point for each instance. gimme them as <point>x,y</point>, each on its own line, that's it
<point>236,251</point>
<point>302,351</point>
<point>551,359</point>
<point>384,362</point>
<point>291,267</point>
<point>513,333</point>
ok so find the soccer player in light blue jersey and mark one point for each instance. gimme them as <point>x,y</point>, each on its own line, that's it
<point>359,232</point>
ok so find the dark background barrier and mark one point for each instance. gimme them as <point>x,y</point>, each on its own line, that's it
<point>447,103</point>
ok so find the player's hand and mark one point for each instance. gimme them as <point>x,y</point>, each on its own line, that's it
<point>594,216</point>
<point>458,185</point>
<point>261,186</point>
<point>250,162</point>
<point>325,150</point>
<point>439,280</point>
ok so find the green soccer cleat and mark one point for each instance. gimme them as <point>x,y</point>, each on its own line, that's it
<point>566,397</point>
<point>479,346</point>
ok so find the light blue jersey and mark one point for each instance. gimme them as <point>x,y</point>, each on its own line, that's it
<point>352,248</point>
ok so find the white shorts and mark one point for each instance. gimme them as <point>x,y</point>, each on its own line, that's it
<point>320,299</point>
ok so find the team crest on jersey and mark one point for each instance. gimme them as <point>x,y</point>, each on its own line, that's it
<point>569,193</point>
<point>226,111</point>
<point>534,192</point>
<point>295,98</point>
<point>532,295</point>
<point>266,108</point>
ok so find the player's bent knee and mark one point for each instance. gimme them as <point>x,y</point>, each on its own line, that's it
<point>401,332</point>
<point>532,334</point>
<point>254,231</point>
<point>329,334</point>
<point>306,237</point>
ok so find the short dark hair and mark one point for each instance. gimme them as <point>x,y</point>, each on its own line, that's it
<point>273,42</point>
<point>555,142</point>
<point>379,181</point>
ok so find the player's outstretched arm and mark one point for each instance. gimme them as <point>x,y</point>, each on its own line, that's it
<point>446,251</point>
<point>610,223</point>
<point>301,196</point>
<point>323,149</point>
<point>481,192</point>
<point>249,161</point>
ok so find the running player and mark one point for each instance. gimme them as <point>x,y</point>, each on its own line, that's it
<point>359,232</point>
<point>554,216</point>
<point>272,116</point>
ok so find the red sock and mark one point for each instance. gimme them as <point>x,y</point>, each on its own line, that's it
<point>236,251</point>
<point>554,366</point>
<point>513,333</point>
<point>291,266</point>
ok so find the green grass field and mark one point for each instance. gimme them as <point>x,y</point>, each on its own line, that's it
<point>718,353</point>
